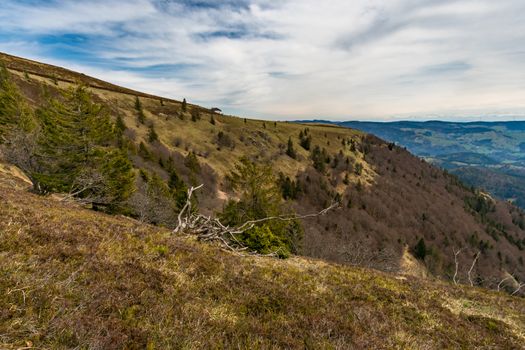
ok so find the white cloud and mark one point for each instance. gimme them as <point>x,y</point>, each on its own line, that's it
<point>300,58</point>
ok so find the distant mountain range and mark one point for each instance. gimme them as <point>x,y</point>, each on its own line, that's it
<point>490,155</point>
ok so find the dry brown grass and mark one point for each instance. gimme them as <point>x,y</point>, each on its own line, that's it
<point>73,278</point>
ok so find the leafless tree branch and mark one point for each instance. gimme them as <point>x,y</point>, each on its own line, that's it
<point>502,281</point>
<point>456,253</point>
<point>210,229</point>
<point>520,285</point>
<point>476,257</point>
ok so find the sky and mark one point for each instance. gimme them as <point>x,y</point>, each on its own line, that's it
<point>291,59</point>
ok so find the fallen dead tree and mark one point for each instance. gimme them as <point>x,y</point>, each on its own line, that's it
<point>210,229</point>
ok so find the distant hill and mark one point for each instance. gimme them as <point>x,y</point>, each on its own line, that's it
<point>496,149</point>
<point>397,213</point>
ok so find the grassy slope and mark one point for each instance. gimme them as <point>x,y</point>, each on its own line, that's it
<point>76,278</point>
<point>403,198</point>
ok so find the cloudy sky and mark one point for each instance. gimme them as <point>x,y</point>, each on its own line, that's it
<point>290,59</point>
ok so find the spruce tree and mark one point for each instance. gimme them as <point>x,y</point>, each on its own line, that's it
<point>141,117</point>
<point>152,134</point>
<point>195,115</point>
<point>18,128</point>
<point>78,151</point>
<point>259,199</point>
<point>420,249</point>
<point>178,189</point>
<point>290,151</point>
<point>15,113</point>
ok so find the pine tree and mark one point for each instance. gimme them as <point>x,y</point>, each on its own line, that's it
<point>319,158</point>
<point>259,198</point>
<point>144,151</point>
<point>290,151</point>
<point>141,117</point>
<point>195,115</point>
<point>358,168</point>
<point>192,163</point>
<point>178,189</point>
<point>305,139</point>
<point>152,134</point>
<point>18,129</point>
<point>120,126</point>
<point>138,104</point>
<point>15,113</point>
<point>77,150</point>
<point>346,180</point>
<point>420,249</point>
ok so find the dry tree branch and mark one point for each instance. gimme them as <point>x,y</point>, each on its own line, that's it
<point>456,253</point>
<point>520,285</point>
<point>476,257</point>
<point>503,280</point>
<point>210,229</point>
<point>187,206</point>
<point>249,224</point>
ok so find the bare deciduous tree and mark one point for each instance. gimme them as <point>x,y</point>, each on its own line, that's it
<point>152,207</point>
<point>21,150</point>
<point>456,253</point>
<point>476,257</point>
<point>360,253</point>
<point>91,182</point>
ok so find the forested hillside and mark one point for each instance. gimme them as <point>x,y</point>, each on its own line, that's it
<point>487,155</point>
<point>124,152</point>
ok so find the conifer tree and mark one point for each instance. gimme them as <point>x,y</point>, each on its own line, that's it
<point>14,111</point>
<point>420,249</point>
<point>259,198</point>
<point>290,151</point>
<point>178,189</point>
<point>195,115</point>
<point>141,117</point>
<point>319,158</point>
<point>144,151</point>
<point>305,139</point>
<point>138,104</point>
<point>77,150</point>
<point>18,128</point>
<point>120,126</point>
<point>152,134</point>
